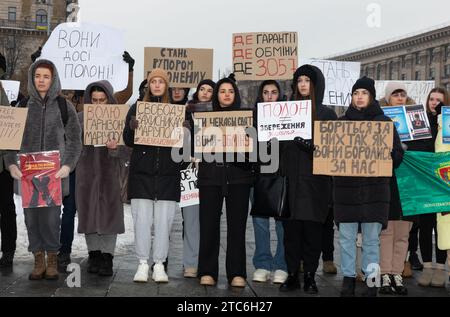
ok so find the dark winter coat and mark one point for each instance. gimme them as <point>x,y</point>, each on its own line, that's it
<point>44,128</point>
<point>365,199</point>
<point>309,195</point>
<point>153,174</point>
<point>228,173</point>
<point>98,199</point>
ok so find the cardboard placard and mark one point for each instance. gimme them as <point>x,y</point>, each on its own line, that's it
<point>160,124</point>
<point>284,120</point>
<point>186,67</point>
<point>339,79</point>
<point>11,88</point>
<point>223,131</point>
<point>411,122</point>
<point>260,56</point>
<point>12,126</point>
<point>446,125</point>
<point>87,52</point>
<point>353,148</point>
<point>417,90</point>
<point>103,123</point>
<point>189,190</point>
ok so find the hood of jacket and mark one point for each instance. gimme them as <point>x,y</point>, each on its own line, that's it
<point>318,81</point>
<point>55,87</point>
<point>106,86</point>
<point>237,97</point>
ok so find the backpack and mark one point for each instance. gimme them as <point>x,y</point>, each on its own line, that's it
<point>62,104</point>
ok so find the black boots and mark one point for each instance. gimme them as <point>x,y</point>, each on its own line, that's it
<point>63,261</point>
<point>94,261</point>
<point>101,263</point>
<point>348,287</point>
<point>309,285</point>
<point>291,284</point>
<point>106,266</point>
<point>7,259</point>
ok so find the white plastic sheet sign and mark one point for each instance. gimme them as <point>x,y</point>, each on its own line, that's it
<point>189,189</point>
<point>86,52</point>
<point>339,79</point>
<point>11,88</point>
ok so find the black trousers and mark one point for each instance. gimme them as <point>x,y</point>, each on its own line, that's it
<point>211,200</point>
<point>302,241</point>
<point>8,224</point>
<point>414,237</point>
<point>328,237</point>
<point>426,225</point>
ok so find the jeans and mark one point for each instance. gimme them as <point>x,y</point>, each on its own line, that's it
<point>68,218</point>
<point>370,247</point>
<point>263,259</point>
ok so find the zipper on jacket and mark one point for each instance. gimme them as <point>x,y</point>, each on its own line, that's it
<point>43,125</point>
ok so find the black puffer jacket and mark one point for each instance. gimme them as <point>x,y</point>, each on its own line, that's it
<point>228,173</point>
<point>153,173</point>
<point>365,199</point>
<point>309,195</point>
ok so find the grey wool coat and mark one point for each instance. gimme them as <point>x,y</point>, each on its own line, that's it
<point>44,128</point>
<point>97,190</point>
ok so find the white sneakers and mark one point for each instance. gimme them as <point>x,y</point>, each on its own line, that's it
<point>262,275</point>
<point>159,274</point>
<point>279,277</point>
<point>141,275</point>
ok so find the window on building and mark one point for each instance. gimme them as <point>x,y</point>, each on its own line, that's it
<point>403,62</point>
<point>431,55</point>
<point>41,18</point>
<point>391,70</point>
<point>432,74</point>
<point>403,77</point>
<point>12,11</point>
<point>447,70</point>
<point>447,87</point>
<point>447,55</point>
<point>418,59</point>
<point>417,75</point>
<point>378,72</point>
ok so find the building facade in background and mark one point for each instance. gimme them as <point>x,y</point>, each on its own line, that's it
<point>25,26</point>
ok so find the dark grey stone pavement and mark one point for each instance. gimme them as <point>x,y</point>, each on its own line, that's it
<point>15,283</point>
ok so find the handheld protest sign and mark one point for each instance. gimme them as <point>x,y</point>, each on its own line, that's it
<point>260,56</point>
<point>87,52</point>
<point>186,67</point>
<point>284,120</point>
<point>11,88</point>
<point>103,123</point>
<point>12,126</point>
<point>339,79</point>
<point>353,148</point>
<point>160,124</point>
<point>223,132</point>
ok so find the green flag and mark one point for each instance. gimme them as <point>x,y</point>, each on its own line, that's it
<point>423,180</point>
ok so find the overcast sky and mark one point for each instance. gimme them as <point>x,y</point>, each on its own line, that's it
<point>325,27</point>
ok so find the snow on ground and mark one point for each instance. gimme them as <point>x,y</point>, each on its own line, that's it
<point>125,241</point>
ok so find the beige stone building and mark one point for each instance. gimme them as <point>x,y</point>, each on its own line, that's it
<point>423,56</point>
<point>24,26</point>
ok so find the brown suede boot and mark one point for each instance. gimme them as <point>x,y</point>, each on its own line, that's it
<point>52,266</point>
<point>39,266</point>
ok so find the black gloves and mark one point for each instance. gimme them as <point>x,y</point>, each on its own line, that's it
<point>36,54</point>
<point>305,145</point>
<point>129,60</point>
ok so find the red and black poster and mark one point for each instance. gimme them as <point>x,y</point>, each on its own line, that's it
<point>40,187</point>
